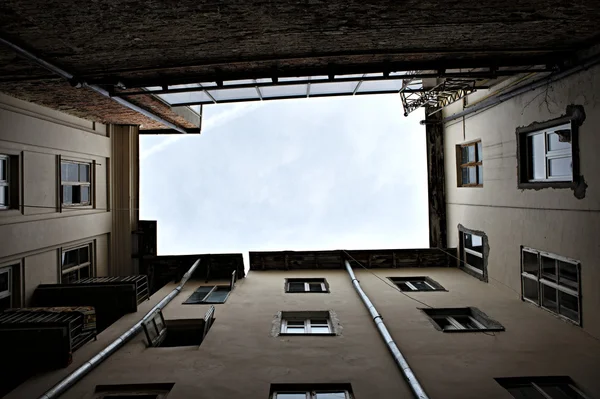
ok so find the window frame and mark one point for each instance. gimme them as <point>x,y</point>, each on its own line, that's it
<point>9,292</point>
<point>434,285</point>
<point>541,281</point>
<point>312,394</point>
<point>89,184</point>
<point>307,326</point>
<point>574,118</point>
<point>538,384</point>
<point>204,300</point>
<point>79,266</point>
<point>6,182</point>
<point>460,165</point>
<point>481,274</point>
<point>12,181</point>
<point>483,322</point>
<point>307,282</point>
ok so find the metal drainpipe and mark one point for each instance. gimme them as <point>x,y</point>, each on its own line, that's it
<point>407,372</point>
<point>72,79</point>
<point>88,366</point>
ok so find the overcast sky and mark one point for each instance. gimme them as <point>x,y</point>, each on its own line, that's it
<point>308,174</point>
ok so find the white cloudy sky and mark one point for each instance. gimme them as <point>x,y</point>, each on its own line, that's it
<point>308,174</point>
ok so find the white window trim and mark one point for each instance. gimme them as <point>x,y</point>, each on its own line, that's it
<point>311,394</point>
<point>306,286</point>
<point>71,183</point>
<point>307,326</point>
<point>542,281</point>
<point>550,154</point>
<point>413,288</point>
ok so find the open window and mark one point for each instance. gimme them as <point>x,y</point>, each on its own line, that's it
<point>178,332</point>
<point>470,164</point>
<point>473,252</point>
<point>75,183</point>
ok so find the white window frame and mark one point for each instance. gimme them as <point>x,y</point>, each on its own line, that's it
<point>77,183</point>
<point>311,394</point>
<point>89,264</point>
<point>9,292</point>
<point>542,281</point>
<point>470,251</point>
<point>549,154</point>
<point>408,281</point>
<point>306,286</point>
<point>307,325</point>
<point>6,182</point>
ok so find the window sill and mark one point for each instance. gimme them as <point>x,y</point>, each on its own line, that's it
<point>472,330</point>
<point>546,184</point>
<point>307,292</point>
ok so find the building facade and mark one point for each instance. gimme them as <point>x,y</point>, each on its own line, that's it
<point>69,199</point>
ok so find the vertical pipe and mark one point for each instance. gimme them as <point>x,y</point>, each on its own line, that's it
<point>401,362</point>
<point>67,382</point>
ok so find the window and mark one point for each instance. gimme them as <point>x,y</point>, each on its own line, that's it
<point>76,189</point>
<point>133,391</point>
<point>209,294</point>
<point>6,288</point>
<point>306,323</point>
<point>183,332</point>
<point>470,164</point>
<point>462,320</point>
<point>472,253</point>
<point>541,388</point>
<point>9,178</point>
<point>76,264</point>
<point>416,284</point>
<point>311,391</point>
<point>552,282</point>
<point>548,152</point>
<point>306,285</point>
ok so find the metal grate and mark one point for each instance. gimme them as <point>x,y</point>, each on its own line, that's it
<point>140,281</point>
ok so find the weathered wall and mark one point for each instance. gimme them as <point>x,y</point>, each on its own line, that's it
<point>240,358</point>
<point>552,220</point>
<point>33,234</point>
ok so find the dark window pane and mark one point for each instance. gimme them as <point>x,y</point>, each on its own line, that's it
<point>5,303</point>
<point>84,173</point>
<point>290,396</point>
<point>480,174</point>
<point>525,392</point>
<point>479,152</point>
<point>69,277</point>
<point>84,272</point>
<point>475,261</point>
<point>548,268</point>
<point>465,155</point>
<point>560,391</point>
<point>4,275</point>
<point>76,194</point>
<point>218,296</point>
<point>3,169</point>
<point>295,286</point>
<point>549,298</point>
<point>315,287</point>
<point>530,263</point>
<point>330,395</point>
<point>530,289</point>
<point>85,194</point>
<point>84,255</point>
<point>403,286</point>
<point>67,194</point>
<point>465,175</point>
<point>318,321</point>
<point>554,143</point>
<point>198,295</point>
<point>569,306</point>
<point>4,198</point>
<point>70,259</point>
<point>567,275</point>
<point>443,322</point>
<point>471,153</point>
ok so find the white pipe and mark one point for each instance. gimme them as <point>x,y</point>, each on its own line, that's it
<point>88,366</point>
<point>407,372</point>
